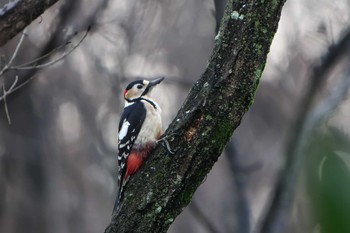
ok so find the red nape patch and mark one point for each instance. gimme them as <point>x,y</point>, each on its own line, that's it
<point>125,91</point>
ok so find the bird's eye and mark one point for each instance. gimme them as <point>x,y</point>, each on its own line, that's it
<point>139,86</point>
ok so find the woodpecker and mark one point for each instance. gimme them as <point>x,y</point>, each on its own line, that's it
<point>140,127</point>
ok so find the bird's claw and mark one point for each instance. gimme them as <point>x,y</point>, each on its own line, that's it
<point>165,144</point>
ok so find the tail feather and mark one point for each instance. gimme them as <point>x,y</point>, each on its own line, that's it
<point>119,197</point>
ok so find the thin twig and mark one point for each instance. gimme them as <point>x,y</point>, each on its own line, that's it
<point>65,54</point>
<point>4,97</point>
<point>18,87</point>
<point>8,65</point>
<point>6,68</point>
<point>42,57</point>
<point>13,84</point>
<point>13,88</point>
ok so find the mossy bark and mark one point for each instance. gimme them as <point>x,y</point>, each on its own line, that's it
<point>203,126</point>
<point>16,16</point>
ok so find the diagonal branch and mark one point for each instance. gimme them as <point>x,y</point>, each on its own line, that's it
<point>203,126</point>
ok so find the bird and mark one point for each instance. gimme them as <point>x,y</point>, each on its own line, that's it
<point>140,128</point>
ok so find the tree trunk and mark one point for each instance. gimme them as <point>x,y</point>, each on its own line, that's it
<point>203,126</point>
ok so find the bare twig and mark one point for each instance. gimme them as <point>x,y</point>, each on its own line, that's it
<point>8,65</point>
<point>65,54</point>
<point>4,97</point>
<point>6,68</point>
<point>281,202</point>
<point>27,65</point>
<point>17,87</point>
<point>42,57</point>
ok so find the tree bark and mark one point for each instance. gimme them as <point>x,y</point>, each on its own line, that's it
<point>18,14</point>
<point>204,124</point>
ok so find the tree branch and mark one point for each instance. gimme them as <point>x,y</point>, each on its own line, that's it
<point>17,14</point>
<point>213,109</point>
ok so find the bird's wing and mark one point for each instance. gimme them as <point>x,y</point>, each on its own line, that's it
<point>129,127</point>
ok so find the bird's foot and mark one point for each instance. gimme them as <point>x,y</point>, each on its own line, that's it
<point>165,143</point>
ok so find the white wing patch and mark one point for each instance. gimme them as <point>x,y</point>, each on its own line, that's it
<point>124,130</point>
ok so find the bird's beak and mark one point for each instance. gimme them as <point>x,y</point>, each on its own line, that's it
<point>155,82</point>
<point>152,84</point>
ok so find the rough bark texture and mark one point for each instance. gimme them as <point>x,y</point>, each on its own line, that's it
<point>214,108</point>
<point>16,15</point>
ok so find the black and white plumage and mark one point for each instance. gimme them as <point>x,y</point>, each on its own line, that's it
<point>129,127</point>
<point>139,128</point>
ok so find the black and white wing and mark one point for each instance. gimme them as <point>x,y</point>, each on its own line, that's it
<point>129,127</point>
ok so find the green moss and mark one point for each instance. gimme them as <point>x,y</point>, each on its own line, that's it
<point>256,24</point>
<point>169,221</point>
<point>186,196</point>
<point>223,132</point>
<point>274,4</point>
<point>258,48</point>
<point>150,215</point>
<point>234,15</point>
<point>208,118</point>
<point>258,73</point>
<point>149,196</point>
<point>165,190</point>
<point>217,37</point>
<point>158,209</point>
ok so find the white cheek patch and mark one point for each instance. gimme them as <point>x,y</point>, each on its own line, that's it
<point>124,130</point>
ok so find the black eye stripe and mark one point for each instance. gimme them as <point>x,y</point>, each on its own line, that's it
<point>132,84</point>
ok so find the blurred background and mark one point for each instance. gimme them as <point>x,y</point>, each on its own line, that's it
<point>58,162</point>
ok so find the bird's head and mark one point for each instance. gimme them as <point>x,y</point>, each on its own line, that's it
<point>140,88</point>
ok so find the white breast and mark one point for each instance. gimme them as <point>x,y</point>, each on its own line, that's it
<point>152,127</point>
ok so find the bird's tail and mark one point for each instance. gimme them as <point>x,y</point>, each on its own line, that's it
<point>118,200</point>
<point>119,197</point>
